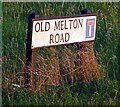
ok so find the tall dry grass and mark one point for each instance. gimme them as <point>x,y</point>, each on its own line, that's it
<point>62,66</point>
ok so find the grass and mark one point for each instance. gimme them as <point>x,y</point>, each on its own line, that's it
<point>106,91</point>
<point>77,94</point>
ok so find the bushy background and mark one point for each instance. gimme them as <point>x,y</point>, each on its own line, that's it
<point>106,91</point>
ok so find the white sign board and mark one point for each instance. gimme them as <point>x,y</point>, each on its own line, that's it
<point>64,30</point>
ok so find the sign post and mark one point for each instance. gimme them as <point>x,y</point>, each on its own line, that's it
<point>29,52</point>
<point>43,32</point>
<point>85,59</point>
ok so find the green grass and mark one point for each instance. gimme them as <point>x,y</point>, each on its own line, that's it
<point>106,91</point>
<point>77,94</point>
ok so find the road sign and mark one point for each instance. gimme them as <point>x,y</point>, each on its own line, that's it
<point>63,30</point>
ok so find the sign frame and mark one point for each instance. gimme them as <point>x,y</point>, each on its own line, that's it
<point>62,17</point>
<point>30,53</point>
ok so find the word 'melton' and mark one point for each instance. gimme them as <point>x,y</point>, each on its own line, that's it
<point>62,25</point>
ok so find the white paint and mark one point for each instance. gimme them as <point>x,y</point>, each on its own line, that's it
<point>76,33</point>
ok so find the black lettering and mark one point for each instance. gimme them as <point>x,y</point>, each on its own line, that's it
<point>67,37</point>
<point>37,27</point>
<point>75,23</point>
<point>51,38</point>
<point>57,38</point>
<point>47,26</point>
<point>62,25</point>
<point>70,23</point>
<point>41,27</point>
<point>57,26</point>
<point>80,22</point>
<point>65,25</point>
<point>62,38</point>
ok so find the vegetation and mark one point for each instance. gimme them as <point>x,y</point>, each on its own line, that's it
<point>105,91</point>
